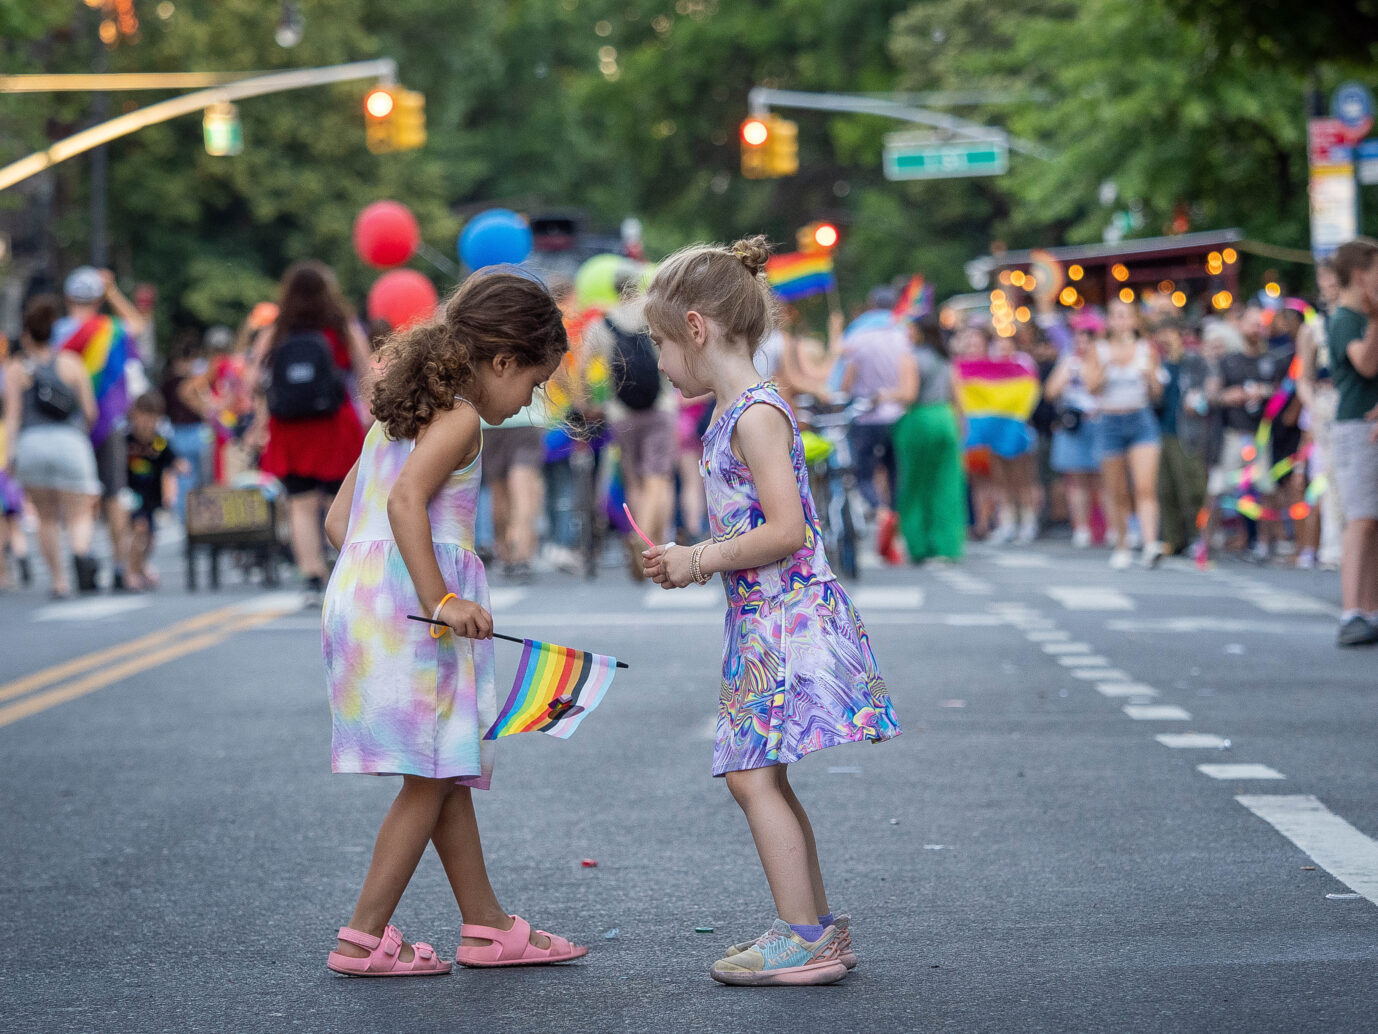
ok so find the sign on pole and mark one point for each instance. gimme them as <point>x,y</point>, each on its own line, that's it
<point>1333,191</point>
<point>1352,105</point>
<point>918,156</point>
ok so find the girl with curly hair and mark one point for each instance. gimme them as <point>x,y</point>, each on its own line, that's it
<point>403,701</point>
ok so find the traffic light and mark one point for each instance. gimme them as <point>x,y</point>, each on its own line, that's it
<point>817,237</point>
<point>380,103</point>
<point>394,119</point>
<point>770,147</point>
<point>409,121</point>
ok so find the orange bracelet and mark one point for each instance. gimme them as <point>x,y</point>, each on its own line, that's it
<point>439,630</point>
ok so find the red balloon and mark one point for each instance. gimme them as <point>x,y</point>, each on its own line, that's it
<point>402,297</point>
<point>386,234</point>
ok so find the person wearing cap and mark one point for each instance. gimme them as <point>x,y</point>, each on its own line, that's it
<point>875,351</point>
<point>107,345</point>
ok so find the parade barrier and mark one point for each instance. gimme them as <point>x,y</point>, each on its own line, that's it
<point>242,520</point>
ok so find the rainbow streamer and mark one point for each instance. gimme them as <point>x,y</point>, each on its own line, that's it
<point>800,274</point>
<point>554,690</point>
<point>997,397</point>
<point>103,345</point>
<point>916,301</point>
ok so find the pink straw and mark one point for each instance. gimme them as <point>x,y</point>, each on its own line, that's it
<point>636,527</point>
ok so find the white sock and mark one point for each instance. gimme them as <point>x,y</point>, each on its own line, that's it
<point>1351,614</point>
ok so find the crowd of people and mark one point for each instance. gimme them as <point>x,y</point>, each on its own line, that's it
<point>1245,432</point>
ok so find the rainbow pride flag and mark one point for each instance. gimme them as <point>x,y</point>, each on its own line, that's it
<point>103,344</point>
<point>554,690</point>
<point>800,274</point>
<point>997,396</point>
<point>916,301</point>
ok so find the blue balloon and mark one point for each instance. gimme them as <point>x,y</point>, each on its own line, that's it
<point>494,237</point>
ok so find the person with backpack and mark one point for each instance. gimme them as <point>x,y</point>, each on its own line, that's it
<point>643,413</point>
<point>303,360</point>
<point>49,405</point>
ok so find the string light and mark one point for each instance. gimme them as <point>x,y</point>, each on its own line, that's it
<point>1120,272</point>
<point>1075,272</point>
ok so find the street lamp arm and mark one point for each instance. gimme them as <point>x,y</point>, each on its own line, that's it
<point>761,99</point>
<point>175,107</point>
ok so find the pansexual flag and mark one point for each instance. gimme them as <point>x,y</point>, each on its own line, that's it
<point>800,274</point>
<point>554,689</point>
<point>997,397</point>
<point>103,345</point>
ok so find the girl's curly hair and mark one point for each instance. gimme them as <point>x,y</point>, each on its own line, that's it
<point>498,311</point>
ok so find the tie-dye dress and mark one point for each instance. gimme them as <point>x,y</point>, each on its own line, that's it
<point>402,702</point>
<point>798,671</point>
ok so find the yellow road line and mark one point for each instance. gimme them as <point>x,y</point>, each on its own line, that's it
<point>100,679</point>
<point>86,662</point>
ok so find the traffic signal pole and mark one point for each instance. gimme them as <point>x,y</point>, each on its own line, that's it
<point>256,85</point>
<point>762,99</point>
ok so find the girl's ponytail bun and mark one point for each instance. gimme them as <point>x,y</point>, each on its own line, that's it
<point>752,252</point>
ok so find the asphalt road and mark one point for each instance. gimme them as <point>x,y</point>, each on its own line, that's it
<point>1027,857</point>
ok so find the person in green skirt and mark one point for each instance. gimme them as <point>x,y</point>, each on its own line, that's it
<point>931,494</point>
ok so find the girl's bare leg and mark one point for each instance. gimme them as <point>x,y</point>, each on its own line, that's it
<point>820,896</point>
<point>780,842</point>
<point>1115,478</point>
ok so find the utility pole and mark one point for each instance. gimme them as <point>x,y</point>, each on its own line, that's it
<point>100,161</point>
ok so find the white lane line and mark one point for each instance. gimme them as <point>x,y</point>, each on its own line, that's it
<point>1077,661</point>
<point>90,610</point>
<point>1334,845</point>
<point>684,599</point>
<point>879,598</point>
<point>970,620</point>
<point>1156,713</point>
<point>1209,624</point>
<point>1192,740</point>
<point>1239,772</point>
<point>1125,689</point>
<point>1041,636</point>
<point>1100,675</point>
<point>1021,560</point>
<point>1057,648</point>
<point>504,598</point>
<point>1274,602</point>
<point>1088,597</point>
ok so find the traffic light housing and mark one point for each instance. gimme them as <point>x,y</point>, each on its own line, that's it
<point>770,147</point>
<point>380,106</point>
<point>394,119</point>
<point>818,236</point>
<point>409,121</point>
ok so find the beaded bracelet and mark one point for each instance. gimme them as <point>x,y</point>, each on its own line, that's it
<point>695,572</point>
<point>439,630</point>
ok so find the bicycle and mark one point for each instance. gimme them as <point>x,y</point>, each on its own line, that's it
<point>832,474</point>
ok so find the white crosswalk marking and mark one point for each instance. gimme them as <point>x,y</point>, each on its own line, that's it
<point>1156,713</point>
<point>93,609</point>
<point>1125,689</point>
<point>1021,560</point>
<point>1077,661</point>
<point>1059,648</point>
<point>1089,597</point>
<point>688,598</point>
<point>502,599</point>
<point>1239,772</point>
<point>887,598</point>
<point>1192,740</point>
<point>1100,674</point>
<point>1044,636</point>
<point>1334,845</point>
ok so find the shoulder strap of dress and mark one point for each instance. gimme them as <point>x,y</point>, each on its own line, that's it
<point>461,398</point>
<point>767,393</point>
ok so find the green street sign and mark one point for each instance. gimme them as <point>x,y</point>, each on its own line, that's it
<point>907,158</point>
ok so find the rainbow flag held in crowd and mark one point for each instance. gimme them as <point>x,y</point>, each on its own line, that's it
<point>916,301</point>
<point>800,274</point>
<point>555,688</point>
<point>997,396</point>
<point>104,346</point>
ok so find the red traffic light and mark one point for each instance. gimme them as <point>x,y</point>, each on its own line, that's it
<point>755,132</point>
<point>825,235</point>
<point>379,102</point>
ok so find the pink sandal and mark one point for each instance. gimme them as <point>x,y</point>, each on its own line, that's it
<point>385,958</point>
<point>513,947</point>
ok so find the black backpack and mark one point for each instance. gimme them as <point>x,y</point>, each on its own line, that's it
<point>303,380</point>
<point>635,368</point>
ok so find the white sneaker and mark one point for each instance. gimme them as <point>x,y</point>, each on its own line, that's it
<point>1153,552</point>
<point>1003,533</point>
<point>1028,531</point>
<point>1121,559</point>
<point>1081,538</point>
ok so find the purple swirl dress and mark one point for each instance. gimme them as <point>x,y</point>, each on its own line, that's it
<point>798,671</point>
<point>400,701</point>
